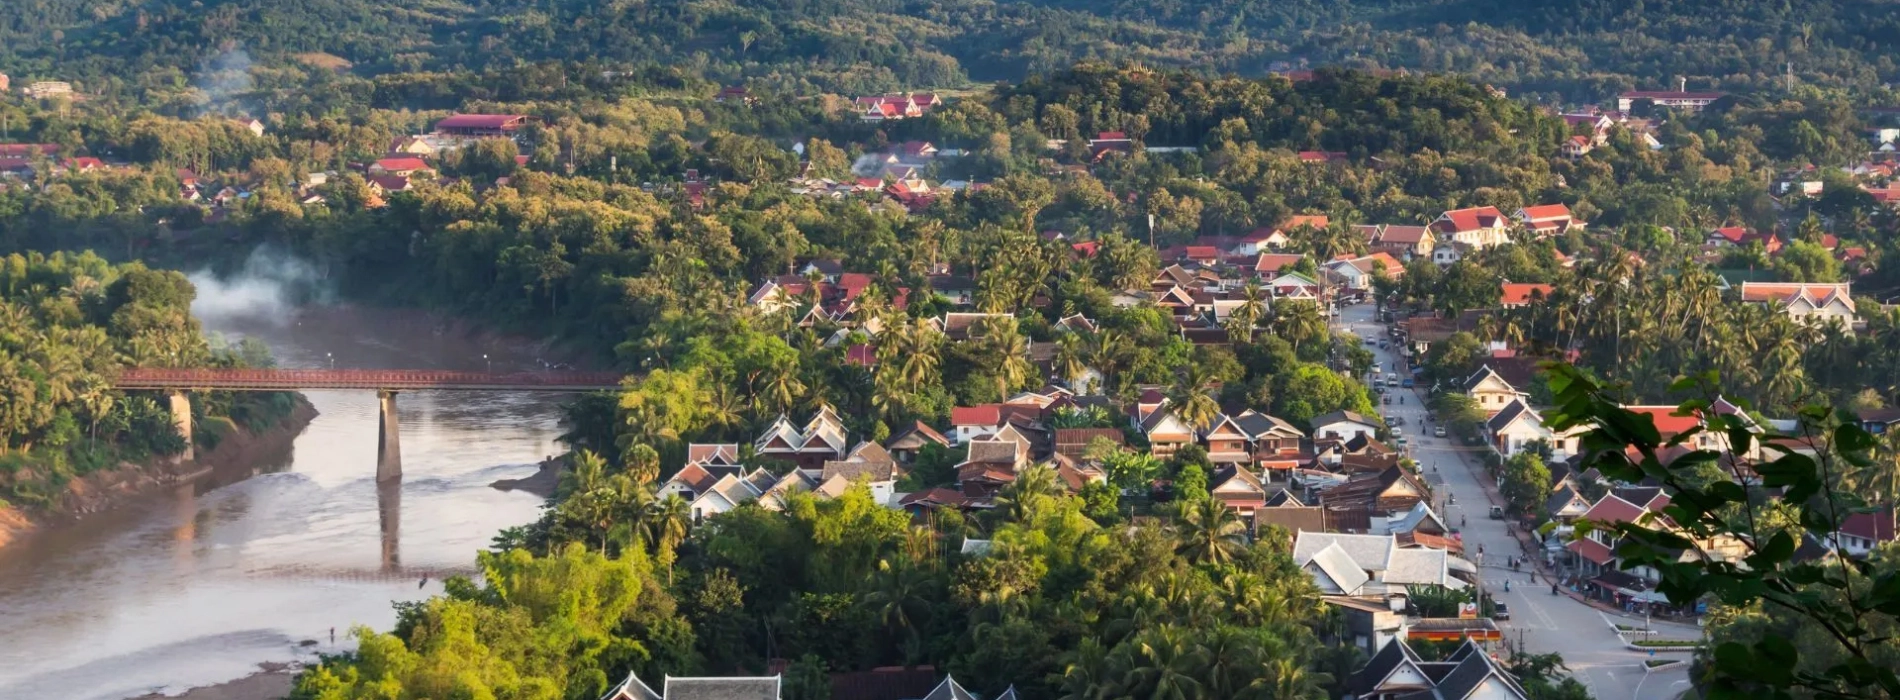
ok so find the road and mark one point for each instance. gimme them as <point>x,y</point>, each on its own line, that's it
<point>1584,635</point>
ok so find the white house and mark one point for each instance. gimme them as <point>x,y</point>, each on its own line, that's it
<point>1478,227</point>
<point>1814,303</point>
<point>1514,428</point>
<point>1344,425</point>
<point>1490,391</point>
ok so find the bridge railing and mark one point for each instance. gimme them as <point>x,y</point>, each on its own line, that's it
<point>254,379</point>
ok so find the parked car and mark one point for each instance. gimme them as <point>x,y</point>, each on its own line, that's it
<point>1407,383</point>
<point>1500,611</point>
<point>1497,512</point>
<point>1395,420</point>
<point>1438,431</point>
<point>1398,432</point>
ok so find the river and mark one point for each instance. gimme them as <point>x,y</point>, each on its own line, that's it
<point>198,585</point>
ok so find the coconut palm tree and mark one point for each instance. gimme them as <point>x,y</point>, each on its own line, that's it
<point>1162,664</point>
<point>1089,673</point>
<point>1189,399</point>
<point>1209,532</point>
<point>1071,360</point>
<point>1006,355</point>
<point>1024,497</point>
<point>666,525</point>
<point>899,600</point>
<point>1299,322</point>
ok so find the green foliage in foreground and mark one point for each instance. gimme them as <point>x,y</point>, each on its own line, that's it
<point>1184,607</point>
<point>1821,627</point>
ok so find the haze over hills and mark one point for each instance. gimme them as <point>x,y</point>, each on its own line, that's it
<point>1577,49</point>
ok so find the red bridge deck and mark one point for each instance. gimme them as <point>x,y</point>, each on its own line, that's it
<point>386,379</point>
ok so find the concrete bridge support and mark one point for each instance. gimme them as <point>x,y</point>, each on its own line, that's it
<point>389,512</point>
<point>181,419</point>
<point>388,439</point>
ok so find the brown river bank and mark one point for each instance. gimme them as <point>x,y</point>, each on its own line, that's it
<point>111,489</point>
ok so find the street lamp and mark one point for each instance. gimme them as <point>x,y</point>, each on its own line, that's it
<point>332,359</point>
<point>485,360</point>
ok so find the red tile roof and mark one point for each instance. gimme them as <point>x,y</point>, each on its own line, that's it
<point>1611,510</point>
<point>1547,211</point>
<point>987,414</point>
<point>1275,262</point>
<point>1877,526</point>
<point>402,164</point>
<point>1202,252</point>
<point>481,121</point>
<point>1666,424</point>
<point>1591,550</point>
<point>1520,294</point>
<point>1732,234</point>
<point>1471,219</point>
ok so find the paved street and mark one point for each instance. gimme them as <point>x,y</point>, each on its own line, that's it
<point>1583,634</point>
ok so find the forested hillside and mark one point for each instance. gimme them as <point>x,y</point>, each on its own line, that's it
<point>1577,49</point>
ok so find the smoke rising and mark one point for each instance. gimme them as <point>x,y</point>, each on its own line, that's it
<point>269,287</point>
<point>224,79</point>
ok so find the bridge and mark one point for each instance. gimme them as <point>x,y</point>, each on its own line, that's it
<point>385,382</point>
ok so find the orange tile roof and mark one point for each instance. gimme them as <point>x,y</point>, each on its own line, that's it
<point>1520,294</point>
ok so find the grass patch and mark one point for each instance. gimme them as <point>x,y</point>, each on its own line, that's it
<point>1627,628</point>
<point>1671,643</point>
<point>1653,663</point>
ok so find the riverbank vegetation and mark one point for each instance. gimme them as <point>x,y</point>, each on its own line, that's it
<point>68,322</point>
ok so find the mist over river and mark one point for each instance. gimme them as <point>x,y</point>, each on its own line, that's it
<point>198,585</point>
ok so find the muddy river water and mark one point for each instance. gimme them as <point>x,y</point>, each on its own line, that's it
<point>198,585</point>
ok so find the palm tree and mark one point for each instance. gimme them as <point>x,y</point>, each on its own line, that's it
<point>1163,665</point>
<point>1007,355</point>
<point>1210,532</point>
<point>1108,352</point>
<point>898,600</point>
<point>1300,321</point>
<point>1088,672</point>
<point>1189,399</point>
<point>1253,306</point>
<point>1024,497</point>
<point>1288,679</point>
<point>1070,360</point>
<point>1879,481</point>
<point>778,384</point>
<point>666,524</point>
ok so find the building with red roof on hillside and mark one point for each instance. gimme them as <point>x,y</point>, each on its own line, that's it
<point>1520,295</point>
<point>481,125</point>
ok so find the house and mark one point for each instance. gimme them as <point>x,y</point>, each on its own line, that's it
<point>1445,253</point>
<point>1271,264</point>
<point>28,151</point>
<point>44,89</point>
<point>1110,142</point>
<point>1515,427</point>
<point>1577,146</point>
<point>735,94</point>
<point>955,289</point>
<point>1359,272</point>
<point>1596,550</point>
<point>728,492</point>
<point>1344,425</point>
<point>1371,565</point>
<point>907,443</point>
<point>967,326</point>
<point>1673,99</point>
<point>1860,533</point>
<point>1405,242</point>
<point>481,125</point>
<point>1074,442</point>
<point>1280,236</point>
<point>1237,487</point>
<point>414,146</point>
<point>1290,284</point>
<point>404,166</point>
<point>1491,391</point>
<point>879,108</point>
<point>1810,303</point>
<point>713,456</point>
<point>821,440</point>
<point>1364,499</point>
<point>248,124</point>
<point>1565,505</point>
<point>1517,296</point>
<point>1166,432</point>
<point>971,422</point>
<point>1398,673</point>
<point>1546,219</point>
<point>688,688</point>
<point>1267,436</point>
<point>991,463</point>
<point>1478,227</point>
<point>383,184</point>
<point>1324,157</point>
<point>1879,420</point>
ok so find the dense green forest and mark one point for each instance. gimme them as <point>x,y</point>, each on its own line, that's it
<point>67,322</point>
<point>1576,50</point>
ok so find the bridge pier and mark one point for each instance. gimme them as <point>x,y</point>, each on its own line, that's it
<point>389,514</point>
<point>388,438</point>
<point>181,419</point>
